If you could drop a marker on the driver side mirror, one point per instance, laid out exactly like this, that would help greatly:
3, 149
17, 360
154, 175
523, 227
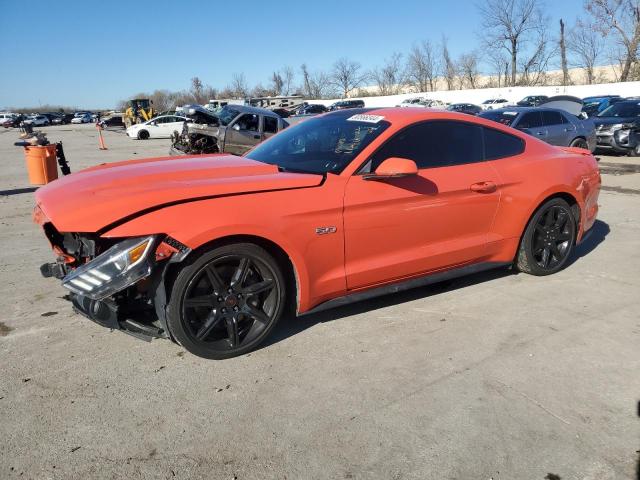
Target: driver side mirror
236, 127
393, 167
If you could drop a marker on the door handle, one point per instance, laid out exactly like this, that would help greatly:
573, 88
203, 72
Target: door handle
484, 187
541, 134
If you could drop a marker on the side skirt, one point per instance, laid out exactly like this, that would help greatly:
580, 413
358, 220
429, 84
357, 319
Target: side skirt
406, 285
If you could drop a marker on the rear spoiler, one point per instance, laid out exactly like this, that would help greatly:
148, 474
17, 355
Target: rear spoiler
577, 151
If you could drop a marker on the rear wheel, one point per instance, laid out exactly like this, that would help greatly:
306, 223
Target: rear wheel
580, 143
143, 135
226, 301
548, 240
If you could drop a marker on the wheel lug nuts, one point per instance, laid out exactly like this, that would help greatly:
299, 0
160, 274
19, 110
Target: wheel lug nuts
220, 299
235, 309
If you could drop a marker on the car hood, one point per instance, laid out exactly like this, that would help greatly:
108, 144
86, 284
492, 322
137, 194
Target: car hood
92, 199
613, 120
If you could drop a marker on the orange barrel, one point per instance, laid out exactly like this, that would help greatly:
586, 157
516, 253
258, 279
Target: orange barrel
42, 165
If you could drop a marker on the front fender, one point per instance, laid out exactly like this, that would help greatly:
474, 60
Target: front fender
288, 219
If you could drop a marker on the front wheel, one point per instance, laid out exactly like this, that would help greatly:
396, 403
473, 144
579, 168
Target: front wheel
548, 240
143, 135
226, 301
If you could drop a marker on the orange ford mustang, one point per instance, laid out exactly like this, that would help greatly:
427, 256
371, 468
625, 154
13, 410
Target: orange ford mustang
210, 251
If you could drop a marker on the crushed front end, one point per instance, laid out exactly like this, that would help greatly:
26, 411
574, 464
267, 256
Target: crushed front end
117, 283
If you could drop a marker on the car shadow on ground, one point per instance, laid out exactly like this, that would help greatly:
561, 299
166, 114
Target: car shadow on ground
599, 231
290, 326
17, 191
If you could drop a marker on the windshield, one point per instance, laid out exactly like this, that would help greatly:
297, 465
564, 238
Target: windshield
621, 110
322, 144
227, 114
505, 118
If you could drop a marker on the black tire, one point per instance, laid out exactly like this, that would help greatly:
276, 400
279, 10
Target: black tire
143, 135
548, 240
579, 143
225, 301
635, 151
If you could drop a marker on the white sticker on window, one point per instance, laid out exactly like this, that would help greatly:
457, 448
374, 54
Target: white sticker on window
509, 113
361, 117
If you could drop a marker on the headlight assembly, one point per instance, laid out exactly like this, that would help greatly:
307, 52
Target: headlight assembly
114, 270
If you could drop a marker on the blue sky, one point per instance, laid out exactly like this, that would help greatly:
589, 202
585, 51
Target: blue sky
92, 54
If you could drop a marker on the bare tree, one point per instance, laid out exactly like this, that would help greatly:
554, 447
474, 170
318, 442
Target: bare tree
449, 70
287, 80
422, 66
507, 25
621, 20
238, 86
346, 75
469, 69
584, 42
534, 67
563, 56
315, 85
277, 83
197, 90
390, 77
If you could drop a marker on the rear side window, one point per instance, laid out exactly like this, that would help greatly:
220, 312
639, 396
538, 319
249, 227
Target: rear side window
434, 144
552, 118
270, 125
501, 145
530, 120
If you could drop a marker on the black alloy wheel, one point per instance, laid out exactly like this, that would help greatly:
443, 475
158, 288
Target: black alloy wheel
227, 301
548, 240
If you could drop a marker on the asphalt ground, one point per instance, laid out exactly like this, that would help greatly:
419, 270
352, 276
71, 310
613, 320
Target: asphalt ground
493, 376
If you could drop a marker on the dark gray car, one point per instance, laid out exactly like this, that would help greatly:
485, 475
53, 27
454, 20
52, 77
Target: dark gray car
551, 125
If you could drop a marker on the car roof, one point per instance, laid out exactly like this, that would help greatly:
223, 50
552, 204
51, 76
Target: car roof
250, 109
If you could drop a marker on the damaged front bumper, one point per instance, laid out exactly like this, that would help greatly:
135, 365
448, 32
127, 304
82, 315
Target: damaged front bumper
123, 287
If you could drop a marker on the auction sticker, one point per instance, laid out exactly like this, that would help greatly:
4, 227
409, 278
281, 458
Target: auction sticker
361, 117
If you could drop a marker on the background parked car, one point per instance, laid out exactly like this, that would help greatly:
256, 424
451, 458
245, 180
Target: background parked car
344, 104
158, 127
62, 119
411, 102
494, 103
10, 119
82, 118
37, 120
553, 126
468, 108
618, 127
113, 121
310, 109
532, 101
592, 106
238, 128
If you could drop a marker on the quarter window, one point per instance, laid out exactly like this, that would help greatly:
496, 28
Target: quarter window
500, 145
434, 144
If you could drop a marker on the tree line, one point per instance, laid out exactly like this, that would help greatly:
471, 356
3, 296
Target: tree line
518, 44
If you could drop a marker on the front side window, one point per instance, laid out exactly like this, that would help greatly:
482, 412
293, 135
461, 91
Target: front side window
434, 144
249, 121
621, 109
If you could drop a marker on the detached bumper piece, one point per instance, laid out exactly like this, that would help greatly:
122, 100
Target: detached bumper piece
109, 314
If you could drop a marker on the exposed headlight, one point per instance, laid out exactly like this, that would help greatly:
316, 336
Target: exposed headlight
116, 269
616, 126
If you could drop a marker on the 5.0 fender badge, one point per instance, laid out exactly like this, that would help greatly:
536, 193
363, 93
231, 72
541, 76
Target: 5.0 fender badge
325, 230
